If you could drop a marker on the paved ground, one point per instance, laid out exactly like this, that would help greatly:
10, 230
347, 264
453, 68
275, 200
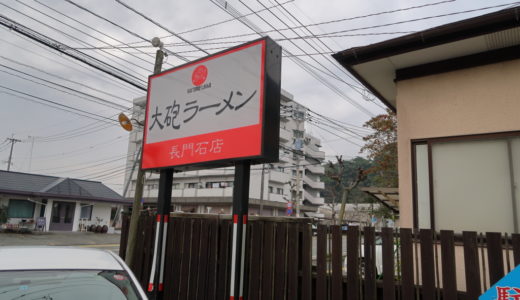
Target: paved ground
77, 239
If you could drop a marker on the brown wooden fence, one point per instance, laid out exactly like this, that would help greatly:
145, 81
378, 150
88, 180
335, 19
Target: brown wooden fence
285, 259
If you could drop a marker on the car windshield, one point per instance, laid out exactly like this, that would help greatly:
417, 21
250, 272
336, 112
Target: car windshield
66, 285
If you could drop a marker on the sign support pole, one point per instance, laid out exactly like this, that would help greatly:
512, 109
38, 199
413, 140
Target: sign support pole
155, 285
240, 210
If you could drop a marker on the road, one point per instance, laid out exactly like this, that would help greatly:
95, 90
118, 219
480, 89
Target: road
76, 239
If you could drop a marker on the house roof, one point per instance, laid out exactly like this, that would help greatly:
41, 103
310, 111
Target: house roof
26, 184
481, 40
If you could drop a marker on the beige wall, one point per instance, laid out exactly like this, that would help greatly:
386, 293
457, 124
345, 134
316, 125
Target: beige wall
477, 100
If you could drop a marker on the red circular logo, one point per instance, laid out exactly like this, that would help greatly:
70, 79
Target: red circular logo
199, 75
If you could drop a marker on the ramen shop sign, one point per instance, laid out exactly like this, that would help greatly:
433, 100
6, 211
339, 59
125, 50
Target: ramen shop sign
215, 110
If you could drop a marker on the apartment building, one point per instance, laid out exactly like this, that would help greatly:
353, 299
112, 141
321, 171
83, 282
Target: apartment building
295, 179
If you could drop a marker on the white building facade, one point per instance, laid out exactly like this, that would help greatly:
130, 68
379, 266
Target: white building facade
294, 179
50, 203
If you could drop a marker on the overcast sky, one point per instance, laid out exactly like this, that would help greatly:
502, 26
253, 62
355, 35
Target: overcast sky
62, 143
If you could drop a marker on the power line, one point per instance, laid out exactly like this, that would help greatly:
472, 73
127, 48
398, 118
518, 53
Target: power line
94, 29
79, 151
231, 43
75, 67
160, 26
97, 99
75, 38
63, 78
76, 132
60, 105
327, 57
90, 27
357, 89
121, 27
209, 25
307, 42
312, 24
341, 137
78, 55
232, 11
85, 33
333, 34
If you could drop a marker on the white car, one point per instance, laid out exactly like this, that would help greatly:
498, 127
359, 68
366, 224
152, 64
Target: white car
64, 273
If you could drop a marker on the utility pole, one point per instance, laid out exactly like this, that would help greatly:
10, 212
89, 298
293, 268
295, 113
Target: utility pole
139, 182
299, 150
262, 191
32, 147
12, 140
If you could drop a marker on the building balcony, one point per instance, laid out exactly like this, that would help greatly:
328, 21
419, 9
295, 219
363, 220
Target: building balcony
277, 197
214, 192
316, 169
320, 155
279, 177
313, 183
313, 199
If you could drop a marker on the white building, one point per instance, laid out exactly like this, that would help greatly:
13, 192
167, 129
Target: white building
272, 186
56, 203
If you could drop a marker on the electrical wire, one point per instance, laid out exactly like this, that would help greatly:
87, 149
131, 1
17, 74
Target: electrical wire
71, 52
64, 79
75, 67
332, 34
100, 32
160, 26
232, 11
358, 89
121, 27
79, 41
207, 26
86, 33
60, 106
93, 98
314, 24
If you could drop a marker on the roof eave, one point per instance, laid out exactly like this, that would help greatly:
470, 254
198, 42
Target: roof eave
67, 197
489, 23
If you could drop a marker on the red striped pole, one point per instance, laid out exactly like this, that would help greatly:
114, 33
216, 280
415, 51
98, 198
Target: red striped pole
156, 285
154, 260
165, 235
240, 210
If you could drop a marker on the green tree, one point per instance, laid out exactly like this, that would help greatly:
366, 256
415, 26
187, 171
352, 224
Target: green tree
3, 214
381, 148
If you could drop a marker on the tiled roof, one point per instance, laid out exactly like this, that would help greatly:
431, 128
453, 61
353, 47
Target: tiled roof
52, 186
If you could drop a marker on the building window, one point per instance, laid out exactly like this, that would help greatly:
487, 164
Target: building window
219, 184
293, 172
191, 185
176, 186
280, 169
279, 191
270, 188
152, 186
227, 184
299, 115
460, 180
212, 185
297, 133
20, 209
86, 211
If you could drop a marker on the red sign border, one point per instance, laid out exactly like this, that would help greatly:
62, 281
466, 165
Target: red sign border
263, 42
